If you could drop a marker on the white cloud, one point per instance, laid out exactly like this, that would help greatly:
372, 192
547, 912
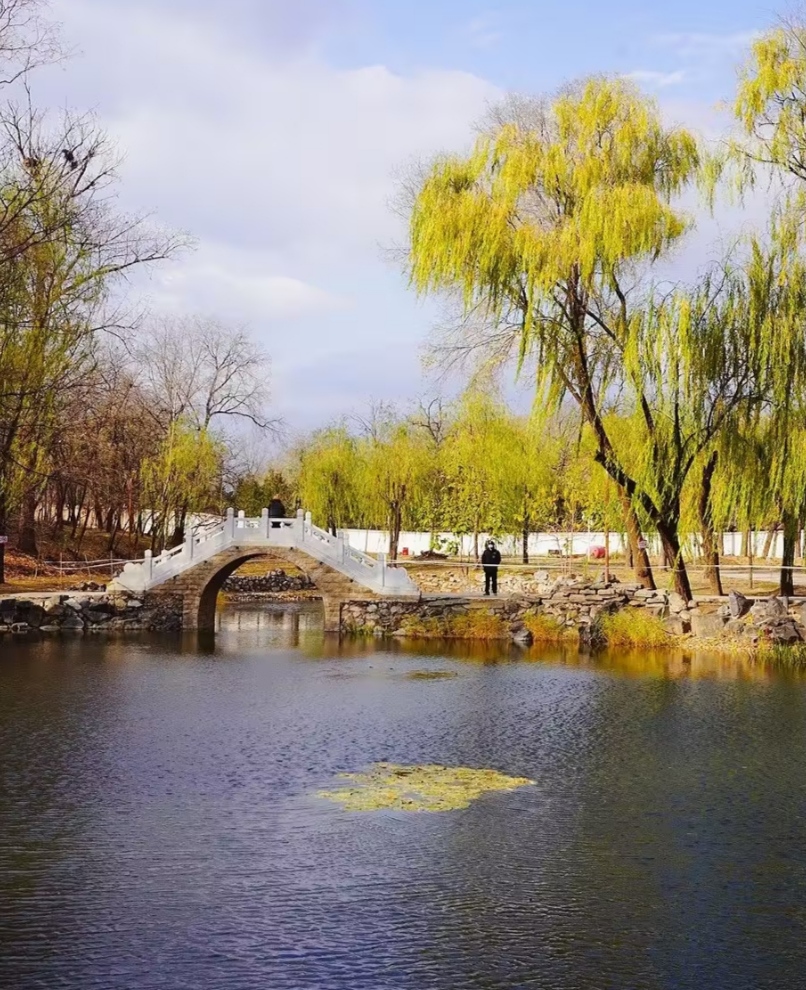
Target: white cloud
237, 284
292, 155
279, 163
661, 80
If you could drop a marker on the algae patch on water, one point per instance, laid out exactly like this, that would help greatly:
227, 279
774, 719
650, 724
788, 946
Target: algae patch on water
388, 787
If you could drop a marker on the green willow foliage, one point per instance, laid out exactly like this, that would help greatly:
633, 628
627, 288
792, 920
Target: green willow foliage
551, 227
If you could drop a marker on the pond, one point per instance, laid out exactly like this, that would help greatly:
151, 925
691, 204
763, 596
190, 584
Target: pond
161, 824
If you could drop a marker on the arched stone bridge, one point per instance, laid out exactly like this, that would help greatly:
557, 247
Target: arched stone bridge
198, 568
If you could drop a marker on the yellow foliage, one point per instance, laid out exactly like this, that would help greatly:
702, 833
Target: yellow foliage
576, 194
386, 786
476, 624
546, 629
635, 627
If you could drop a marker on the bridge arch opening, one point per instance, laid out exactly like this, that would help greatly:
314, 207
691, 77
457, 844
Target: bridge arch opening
202, 590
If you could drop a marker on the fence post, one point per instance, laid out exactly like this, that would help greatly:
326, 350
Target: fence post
264, 522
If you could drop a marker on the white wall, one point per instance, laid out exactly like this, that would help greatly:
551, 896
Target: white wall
376, 541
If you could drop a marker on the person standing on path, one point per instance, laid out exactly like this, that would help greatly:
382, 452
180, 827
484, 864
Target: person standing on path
276, 511
490, 560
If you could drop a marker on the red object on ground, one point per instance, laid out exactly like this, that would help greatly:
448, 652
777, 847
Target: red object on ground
597, 553
404, 552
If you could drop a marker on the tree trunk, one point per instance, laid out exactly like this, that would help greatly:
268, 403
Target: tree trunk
114, 533
772, 531
526, 539
746, 537
671, 550
26, 534
709, 537
394, 530
178, 536
83, 529
3, 532
639, 557
76, 510
790, 523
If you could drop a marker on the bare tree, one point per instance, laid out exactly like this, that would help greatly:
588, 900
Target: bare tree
203, 369
27, 39
63, 250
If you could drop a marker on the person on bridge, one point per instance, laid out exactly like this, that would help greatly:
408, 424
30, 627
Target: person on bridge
490, 560
276, 511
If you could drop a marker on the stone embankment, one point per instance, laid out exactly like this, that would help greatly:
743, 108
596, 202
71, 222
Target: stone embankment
577, 606
91, 612
273, 583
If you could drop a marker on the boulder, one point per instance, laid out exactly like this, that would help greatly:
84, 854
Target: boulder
767, 610
522, 636
74, 622
677, 603
706, 625
738, 605
784, 633
675, 625
35, 616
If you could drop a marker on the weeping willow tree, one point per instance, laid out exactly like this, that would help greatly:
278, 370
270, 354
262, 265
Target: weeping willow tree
396, 461
328, 477
547, 226
184, 475
770, 108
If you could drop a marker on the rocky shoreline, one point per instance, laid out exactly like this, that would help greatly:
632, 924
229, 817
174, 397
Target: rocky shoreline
90, 612
578, 606
567, 607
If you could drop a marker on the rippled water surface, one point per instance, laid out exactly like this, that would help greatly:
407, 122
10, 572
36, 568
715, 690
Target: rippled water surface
159, 826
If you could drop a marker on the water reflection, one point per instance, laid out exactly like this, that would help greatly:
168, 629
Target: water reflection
159, 825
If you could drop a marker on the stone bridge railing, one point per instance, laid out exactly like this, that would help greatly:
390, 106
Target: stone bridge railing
298, 533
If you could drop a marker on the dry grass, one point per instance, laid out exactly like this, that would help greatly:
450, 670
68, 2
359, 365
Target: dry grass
42, 573
546, 629
481, 625
635, 627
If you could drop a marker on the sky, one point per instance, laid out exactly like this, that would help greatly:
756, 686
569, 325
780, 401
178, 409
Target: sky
274, 131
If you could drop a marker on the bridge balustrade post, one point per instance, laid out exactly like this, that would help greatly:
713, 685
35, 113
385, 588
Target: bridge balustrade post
241, 519
190, 539
300, 525
382, 566
264, 523
148, 565
230, 526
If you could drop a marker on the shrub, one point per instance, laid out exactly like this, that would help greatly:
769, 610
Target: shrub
634, 627
471, 625
546, 629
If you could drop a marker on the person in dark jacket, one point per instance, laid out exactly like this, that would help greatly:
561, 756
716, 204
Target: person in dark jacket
490, 560
276, 511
